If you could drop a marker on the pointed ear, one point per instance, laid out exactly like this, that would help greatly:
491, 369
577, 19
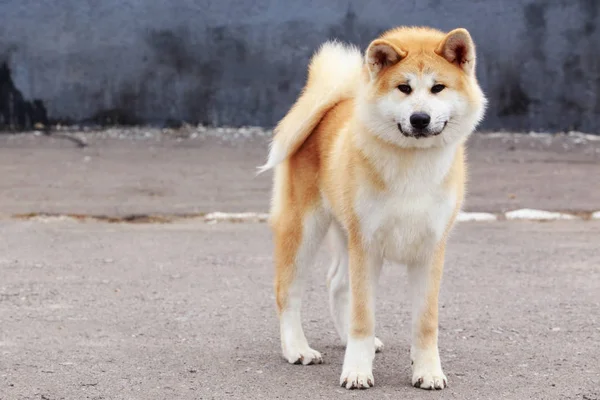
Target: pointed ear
458, 48
382, 54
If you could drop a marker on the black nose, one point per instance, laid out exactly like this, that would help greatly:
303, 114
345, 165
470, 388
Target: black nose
420, 120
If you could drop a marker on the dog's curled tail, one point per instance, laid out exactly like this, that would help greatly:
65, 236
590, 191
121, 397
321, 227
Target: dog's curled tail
333, 74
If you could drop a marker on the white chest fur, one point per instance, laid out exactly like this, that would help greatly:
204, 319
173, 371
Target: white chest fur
408, 219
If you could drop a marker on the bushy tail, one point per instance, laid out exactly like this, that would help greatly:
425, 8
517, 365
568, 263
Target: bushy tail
333, 74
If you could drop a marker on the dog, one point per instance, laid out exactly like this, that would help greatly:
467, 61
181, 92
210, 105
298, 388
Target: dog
373, 153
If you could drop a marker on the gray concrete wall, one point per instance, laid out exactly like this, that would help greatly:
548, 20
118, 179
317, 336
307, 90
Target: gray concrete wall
237, 62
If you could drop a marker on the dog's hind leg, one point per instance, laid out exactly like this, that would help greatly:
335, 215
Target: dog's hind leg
297, 238
338, 284
338, 281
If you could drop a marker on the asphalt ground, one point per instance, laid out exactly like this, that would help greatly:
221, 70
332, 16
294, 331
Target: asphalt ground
186, 311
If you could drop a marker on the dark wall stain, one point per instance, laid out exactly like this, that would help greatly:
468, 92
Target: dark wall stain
596, 87
177, 56
171, 50
124, 112
112, 117
535, 23
220, 67
511, 97
580, 70
15, 112
591, 10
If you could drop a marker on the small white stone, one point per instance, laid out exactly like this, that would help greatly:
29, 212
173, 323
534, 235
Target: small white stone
475, 216
241, 217
537, 215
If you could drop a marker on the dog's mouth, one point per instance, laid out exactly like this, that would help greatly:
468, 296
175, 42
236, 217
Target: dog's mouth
422, 133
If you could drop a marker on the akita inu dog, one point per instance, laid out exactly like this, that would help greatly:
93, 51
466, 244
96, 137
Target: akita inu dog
373, 152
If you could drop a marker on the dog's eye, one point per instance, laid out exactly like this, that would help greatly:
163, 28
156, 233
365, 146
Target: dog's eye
437, 88
405, 89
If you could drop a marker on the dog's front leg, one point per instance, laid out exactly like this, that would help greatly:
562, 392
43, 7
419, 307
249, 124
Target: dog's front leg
364, 268
424, 279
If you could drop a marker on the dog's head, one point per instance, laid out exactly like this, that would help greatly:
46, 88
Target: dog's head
421, 89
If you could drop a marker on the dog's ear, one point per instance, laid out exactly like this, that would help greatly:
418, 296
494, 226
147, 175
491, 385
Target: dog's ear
458, 48
382, 54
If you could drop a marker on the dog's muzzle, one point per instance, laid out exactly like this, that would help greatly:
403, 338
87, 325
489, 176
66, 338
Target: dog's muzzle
420, 127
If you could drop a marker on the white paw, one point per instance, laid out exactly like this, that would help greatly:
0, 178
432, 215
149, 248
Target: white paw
357, 379
304, 356
378, 346
429, 379
427, 369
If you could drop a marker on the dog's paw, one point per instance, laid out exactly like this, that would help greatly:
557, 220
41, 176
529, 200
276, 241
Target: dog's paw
427, 369
357, 379
429, 380
304, 356
378, 346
